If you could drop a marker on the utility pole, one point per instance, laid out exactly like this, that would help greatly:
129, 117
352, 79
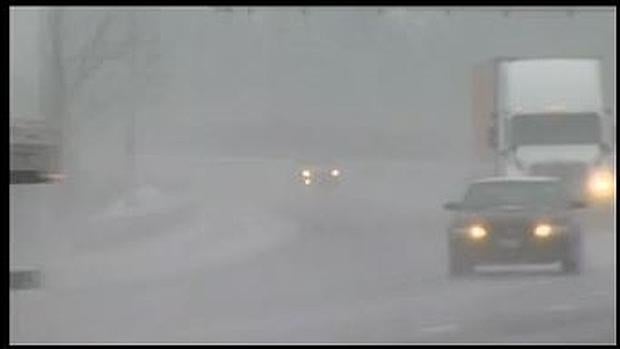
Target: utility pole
53, 93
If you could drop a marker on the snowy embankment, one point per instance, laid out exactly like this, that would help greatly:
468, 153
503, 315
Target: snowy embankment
225, 213
155, 233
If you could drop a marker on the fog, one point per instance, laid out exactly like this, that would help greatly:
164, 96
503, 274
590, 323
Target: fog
182, 217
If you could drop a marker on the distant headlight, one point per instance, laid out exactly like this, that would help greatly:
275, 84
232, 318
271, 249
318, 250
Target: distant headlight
306, 173
335, 173
307, 181
477, 232
601, 184
543, 230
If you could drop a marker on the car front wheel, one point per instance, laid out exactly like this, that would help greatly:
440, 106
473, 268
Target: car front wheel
459, 264
571, 262
570, 265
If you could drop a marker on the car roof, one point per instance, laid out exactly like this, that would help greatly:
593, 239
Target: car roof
516, 179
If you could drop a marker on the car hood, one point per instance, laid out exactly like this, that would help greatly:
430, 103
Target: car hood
511, 213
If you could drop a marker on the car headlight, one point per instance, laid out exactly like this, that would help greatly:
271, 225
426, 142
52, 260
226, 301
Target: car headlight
307, 181
543, 230
477, 232
306, 173
601, 184
335, 172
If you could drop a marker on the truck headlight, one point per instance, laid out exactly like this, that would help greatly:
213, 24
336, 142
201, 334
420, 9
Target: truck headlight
476, 232
601, 184
543, 230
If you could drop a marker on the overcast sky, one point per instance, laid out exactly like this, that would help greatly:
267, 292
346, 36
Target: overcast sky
332, 77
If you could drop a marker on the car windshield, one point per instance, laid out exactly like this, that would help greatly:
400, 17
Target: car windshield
528, 194
550, 129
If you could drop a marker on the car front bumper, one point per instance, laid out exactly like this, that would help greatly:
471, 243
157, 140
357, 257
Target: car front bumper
511, 250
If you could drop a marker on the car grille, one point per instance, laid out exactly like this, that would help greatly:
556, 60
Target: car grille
510, 226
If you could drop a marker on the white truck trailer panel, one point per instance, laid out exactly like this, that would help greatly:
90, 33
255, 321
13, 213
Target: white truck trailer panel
504, 87
548, 84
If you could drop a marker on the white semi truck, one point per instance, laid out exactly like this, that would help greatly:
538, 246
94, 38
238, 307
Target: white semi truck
546, 116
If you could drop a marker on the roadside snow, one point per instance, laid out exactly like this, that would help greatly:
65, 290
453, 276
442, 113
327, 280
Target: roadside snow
144, 200
209, 240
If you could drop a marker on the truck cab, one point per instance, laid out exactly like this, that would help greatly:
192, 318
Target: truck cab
566, 145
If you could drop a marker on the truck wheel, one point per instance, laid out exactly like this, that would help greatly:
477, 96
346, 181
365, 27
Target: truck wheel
571, 263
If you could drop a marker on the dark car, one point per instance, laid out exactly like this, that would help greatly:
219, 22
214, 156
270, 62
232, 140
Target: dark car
513, 221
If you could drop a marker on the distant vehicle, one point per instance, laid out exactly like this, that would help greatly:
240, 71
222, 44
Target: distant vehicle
320, 176
545, 117
34, 152
33, 159
317, 205
510, 220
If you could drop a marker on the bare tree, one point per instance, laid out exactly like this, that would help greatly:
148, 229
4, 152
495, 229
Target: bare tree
77, 45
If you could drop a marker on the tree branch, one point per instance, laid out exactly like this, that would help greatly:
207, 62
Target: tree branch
97, 54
